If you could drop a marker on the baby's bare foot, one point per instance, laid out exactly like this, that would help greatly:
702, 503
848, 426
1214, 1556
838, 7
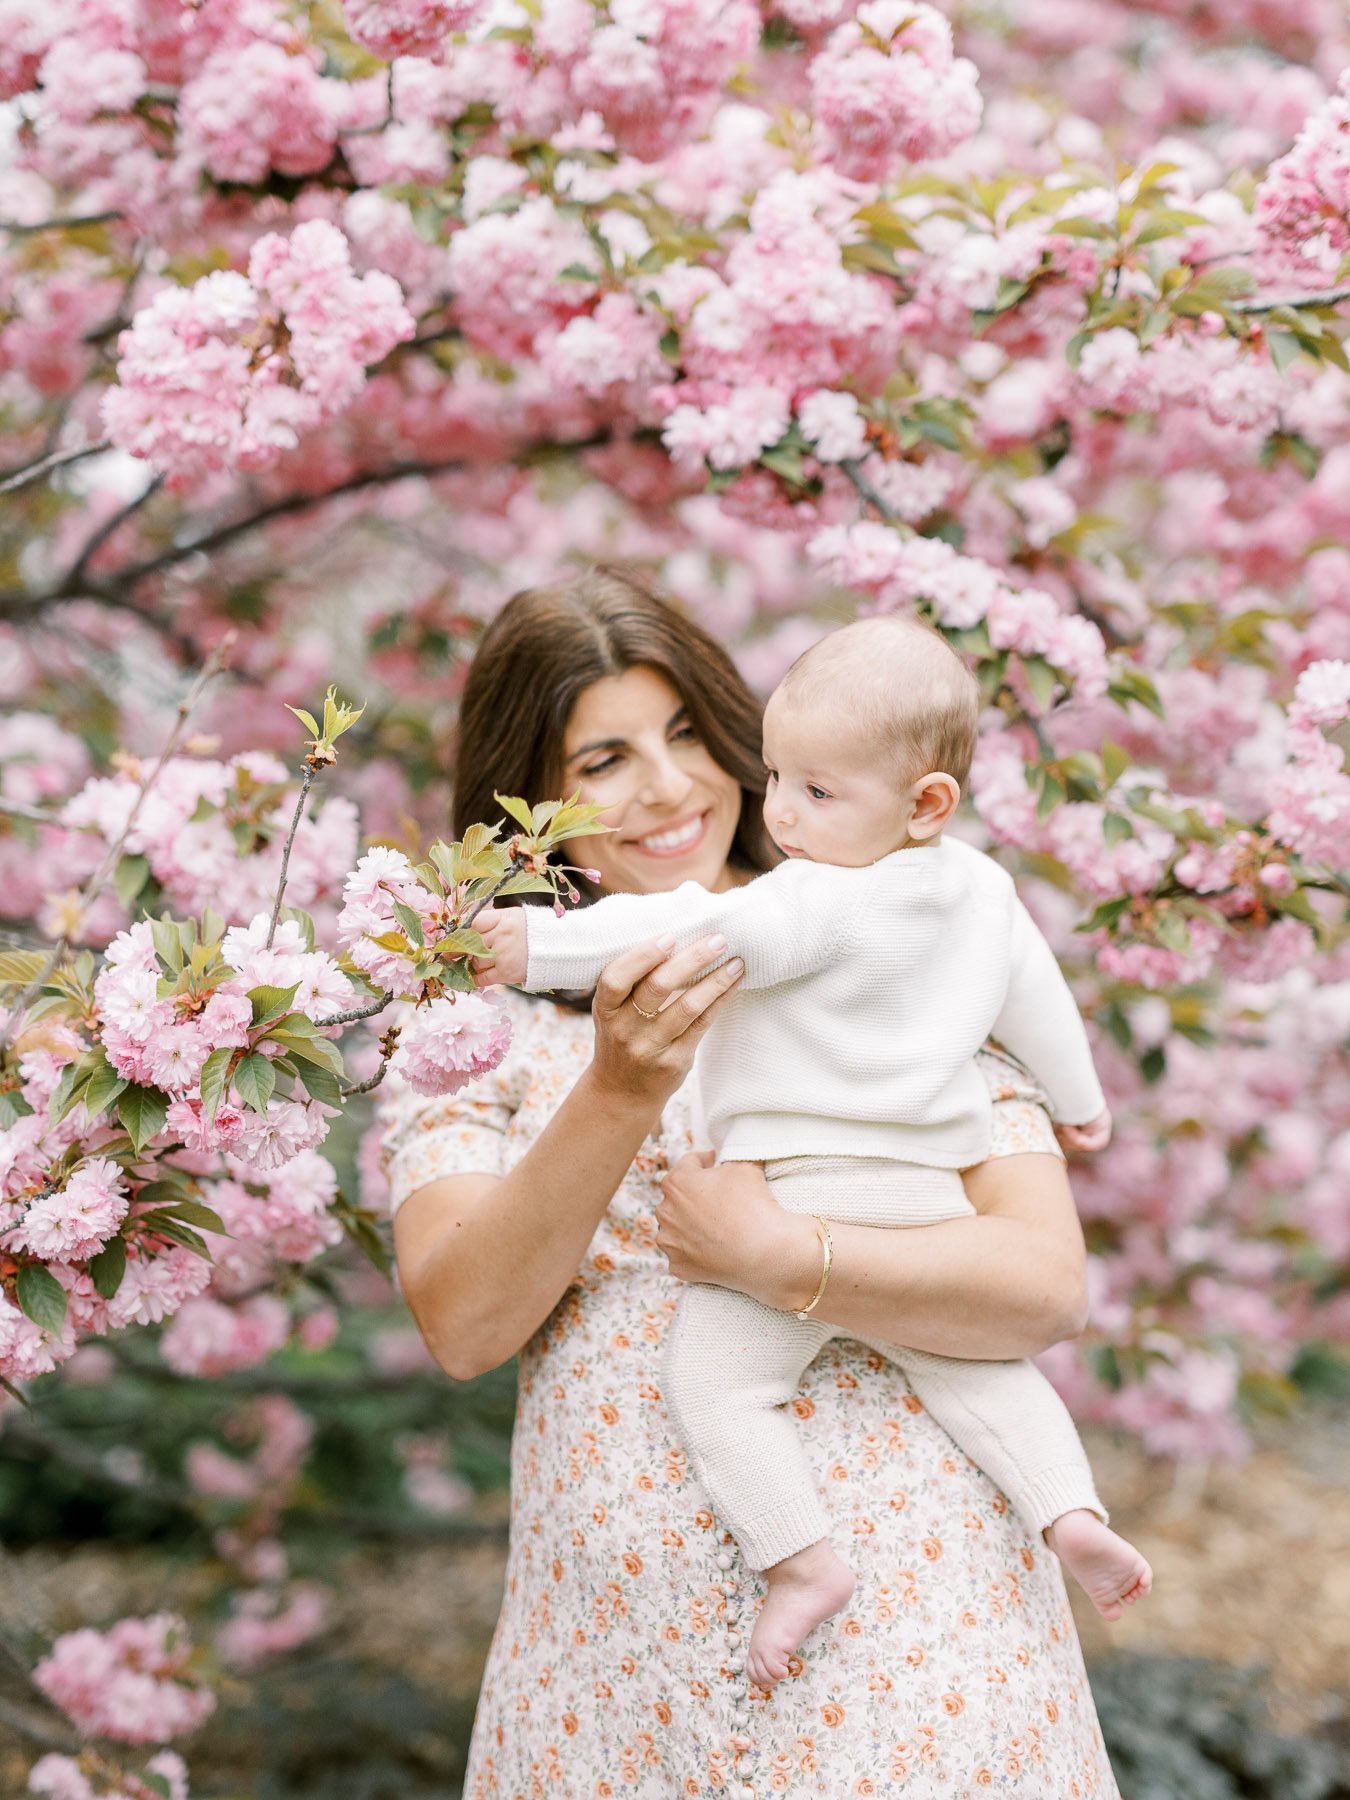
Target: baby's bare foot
1110, 1572
804, 1589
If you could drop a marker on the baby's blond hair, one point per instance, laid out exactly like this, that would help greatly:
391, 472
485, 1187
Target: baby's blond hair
900, 683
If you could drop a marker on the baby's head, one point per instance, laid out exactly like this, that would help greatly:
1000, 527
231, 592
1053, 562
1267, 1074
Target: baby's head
868, 740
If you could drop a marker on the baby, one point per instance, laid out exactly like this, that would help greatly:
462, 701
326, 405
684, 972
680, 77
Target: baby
878, 958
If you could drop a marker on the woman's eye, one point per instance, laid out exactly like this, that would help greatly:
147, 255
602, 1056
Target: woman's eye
601, 768
685, 735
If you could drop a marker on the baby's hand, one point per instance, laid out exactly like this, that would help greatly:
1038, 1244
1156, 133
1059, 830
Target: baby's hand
504, 929
1095, 1135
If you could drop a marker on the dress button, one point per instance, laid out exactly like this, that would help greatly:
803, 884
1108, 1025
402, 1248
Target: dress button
747, 1792
736, 1660
733, 1638
724, 1559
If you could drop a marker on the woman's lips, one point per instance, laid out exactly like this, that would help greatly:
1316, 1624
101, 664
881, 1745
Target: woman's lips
676, 839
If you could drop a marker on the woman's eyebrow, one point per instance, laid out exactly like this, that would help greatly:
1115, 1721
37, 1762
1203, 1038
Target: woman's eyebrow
617, 743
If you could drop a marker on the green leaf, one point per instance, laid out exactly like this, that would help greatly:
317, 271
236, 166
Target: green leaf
195, 1212
411, 922
141, 1112
215, 1080
322, 1051
307, 719
1052, 793
41, 1297
164, 1224
19, 967
108, 1267
168, 944
13, 1106
517, 810
270, 1003
1116, 828
255, 1082
104, 1085
1173, 933
1128, 682
158, 1784
1041, 679
1153, 1064
1106, 914
784, 460
1115, 761
1167, 224
66, 1095
321, 1083
131, 876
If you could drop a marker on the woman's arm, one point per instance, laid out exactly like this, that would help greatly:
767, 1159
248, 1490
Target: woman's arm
1007, 1283
484, 1259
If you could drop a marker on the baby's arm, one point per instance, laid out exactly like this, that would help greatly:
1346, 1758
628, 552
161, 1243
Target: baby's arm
1041, 1025
782, 925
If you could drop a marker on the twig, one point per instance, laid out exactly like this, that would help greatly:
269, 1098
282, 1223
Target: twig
306, 783
34, 471
94, 886
17, 810
47, 1737
365, 1087
357, 1012
1326, 297
869, 493
106, 530
16, 228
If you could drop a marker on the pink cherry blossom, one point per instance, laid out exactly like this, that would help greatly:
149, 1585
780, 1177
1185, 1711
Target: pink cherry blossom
450, 1042
133, 1682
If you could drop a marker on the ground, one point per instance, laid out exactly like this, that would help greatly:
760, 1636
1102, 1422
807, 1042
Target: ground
1252, 1570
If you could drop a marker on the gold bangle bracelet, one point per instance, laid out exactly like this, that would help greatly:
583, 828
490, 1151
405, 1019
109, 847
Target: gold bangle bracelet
827, 1245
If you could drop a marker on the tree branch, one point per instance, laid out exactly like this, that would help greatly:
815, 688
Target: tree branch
870, 494
16, 228
106, 530
1326, 297
34, 471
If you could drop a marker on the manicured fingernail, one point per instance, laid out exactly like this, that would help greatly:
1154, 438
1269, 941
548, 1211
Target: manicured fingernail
667, 942
735, 966
716, 943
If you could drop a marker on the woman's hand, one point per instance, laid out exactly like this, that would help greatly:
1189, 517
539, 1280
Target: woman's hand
722, 1225
650, 1011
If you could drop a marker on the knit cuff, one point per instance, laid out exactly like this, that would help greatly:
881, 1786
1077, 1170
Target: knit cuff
781, 1532
1056, 1491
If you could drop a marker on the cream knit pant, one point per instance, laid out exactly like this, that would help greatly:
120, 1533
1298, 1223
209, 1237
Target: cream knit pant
733, 1365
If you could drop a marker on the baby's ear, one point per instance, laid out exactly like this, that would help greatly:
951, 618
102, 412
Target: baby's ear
936, 797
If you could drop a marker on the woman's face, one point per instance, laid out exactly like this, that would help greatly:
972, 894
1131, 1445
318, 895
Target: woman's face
673, 812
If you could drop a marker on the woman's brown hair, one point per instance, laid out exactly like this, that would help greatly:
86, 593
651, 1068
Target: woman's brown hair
546, 646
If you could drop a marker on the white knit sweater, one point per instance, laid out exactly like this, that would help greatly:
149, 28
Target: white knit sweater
866, 994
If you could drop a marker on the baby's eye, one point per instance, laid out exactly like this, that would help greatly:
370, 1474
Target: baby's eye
815, 792
770, 775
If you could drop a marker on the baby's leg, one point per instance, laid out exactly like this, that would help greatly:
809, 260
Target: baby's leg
731, 1368
1011, 1422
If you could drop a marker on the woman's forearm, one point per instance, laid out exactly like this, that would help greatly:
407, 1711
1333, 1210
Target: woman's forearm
483, 1260
1006, 1283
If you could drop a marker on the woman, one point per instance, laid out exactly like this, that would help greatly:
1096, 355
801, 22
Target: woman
527, 1220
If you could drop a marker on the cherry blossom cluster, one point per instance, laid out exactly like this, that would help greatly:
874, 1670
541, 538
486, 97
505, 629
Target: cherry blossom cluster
230, 371
888, 90
1302, 208
211, 835
133, 1683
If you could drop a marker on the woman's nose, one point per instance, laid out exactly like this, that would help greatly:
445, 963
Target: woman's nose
665, 783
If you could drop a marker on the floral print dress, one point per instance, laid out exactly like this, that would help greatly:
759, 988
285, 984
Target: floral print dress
617, 1666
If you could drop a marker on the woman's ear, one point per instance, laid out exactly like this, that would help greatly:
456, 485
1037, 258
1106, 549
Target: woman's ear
936, 798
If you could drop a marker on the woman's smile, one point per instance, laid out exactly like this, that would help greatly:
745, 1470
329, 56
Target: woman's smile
675, 839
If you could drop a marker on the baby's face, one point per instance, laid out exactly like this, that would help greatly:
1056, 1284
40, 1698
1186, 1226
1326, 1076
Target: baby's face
828, 799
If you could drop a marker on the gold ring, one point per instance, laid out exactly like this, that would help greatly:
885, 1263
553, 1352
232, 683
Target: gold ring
644, 1012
